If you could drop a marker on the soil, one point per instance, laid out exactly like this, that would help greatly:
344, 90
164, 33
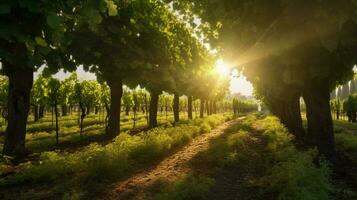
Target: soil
169, 169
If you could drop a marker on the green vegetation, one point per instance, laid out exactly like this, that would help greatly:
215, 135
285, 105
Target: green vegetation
283, 172
163, 70
188, 187
98, 163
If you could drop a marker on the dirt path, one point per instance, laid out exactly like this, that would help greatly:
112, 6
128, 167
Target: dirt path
169, 169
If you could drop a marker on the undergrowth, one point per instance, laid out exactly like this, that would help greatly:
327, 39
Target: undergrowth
97, 163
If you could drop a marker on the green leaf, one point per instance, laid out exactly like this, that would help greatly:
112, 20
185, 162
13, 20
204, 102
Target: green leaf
41, 42
4, 9
53, 20
112, 8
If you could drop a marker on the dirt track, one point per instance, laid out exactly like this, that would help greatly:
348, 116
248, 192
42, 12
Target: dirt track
169, 169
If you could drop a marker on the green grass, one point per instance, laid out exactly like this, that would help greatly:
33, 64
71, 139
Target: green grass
97, 163
187, 187
286, 173
41, 135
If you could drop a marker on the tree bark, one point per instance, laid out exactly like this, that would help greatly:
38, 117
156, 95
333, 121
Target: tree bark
288, 111
57, 129
211, 107
214, 105
20, 84
176, 107
202, 108
153, 109
127, 110
82, 112
96, 110
207, 107
320, 124
134, 113
88, 110
116, 92
41, 111
36, 113
107, 110
64, 110
189, 106
146, 110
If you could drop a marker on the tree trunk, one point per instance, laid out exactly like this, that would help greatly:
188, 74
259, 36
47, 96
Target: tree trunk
207, 107
134, 113
88, 110
41, 111
96, 110
320, 125
35, 113
176, 107
202, 108
153, 109
52, 117
146, 109
20, 84
106, 124
127, 110
56, 114
211, 107
116, 92
288, 111
64, 110
189, 106
214, 106
82, 116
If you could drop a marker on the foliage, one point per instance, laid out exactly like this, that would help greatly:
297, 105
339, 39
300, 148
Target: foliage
297, 178
294, 174
244, 106
4, 85
54, 91
39, 92
346, 142
113, 160
350, 107
67, 90
188, 187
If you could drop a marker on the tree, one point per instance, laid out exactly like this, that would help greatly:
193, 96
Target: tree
78, 87
350, 107
39, 95
53, 97
313, 40
4, 86
67, 93
115, 53
127, 99
105, 100
31, 36
353, 86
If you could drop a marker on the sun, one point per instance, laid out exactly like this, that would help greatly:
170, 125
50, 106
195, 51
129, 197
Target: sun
222, 68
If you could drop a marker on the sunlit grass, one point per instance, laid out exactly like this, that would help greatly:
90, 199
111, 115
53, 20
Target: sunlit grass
107, 162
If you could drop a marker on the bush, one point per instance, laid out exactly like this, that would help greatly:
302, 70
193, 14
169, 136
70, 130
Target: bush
293, 175
112, 160
186, 188
346, 142
298, 178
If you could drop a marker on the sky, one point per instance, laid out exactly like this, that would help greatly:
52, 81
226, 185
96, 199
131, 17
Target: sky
61, 75
241, 85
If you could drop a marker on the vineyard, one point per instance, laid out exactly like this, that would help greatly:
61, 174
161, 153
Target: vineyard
169, 114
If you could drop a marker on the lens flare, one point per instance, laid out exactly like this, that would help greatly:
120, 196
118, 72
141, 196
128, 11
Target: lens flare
222, 68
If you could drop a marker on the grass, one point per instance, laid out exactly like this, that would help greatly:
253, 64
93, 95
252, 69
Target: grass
187, 187
97, 163
260, 155
41, 135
